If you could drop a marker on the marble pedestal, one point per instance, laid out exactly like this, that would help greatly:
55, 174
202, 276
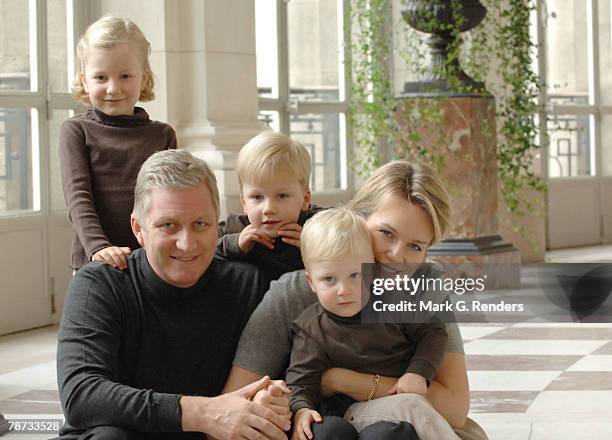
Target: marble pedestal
465, 137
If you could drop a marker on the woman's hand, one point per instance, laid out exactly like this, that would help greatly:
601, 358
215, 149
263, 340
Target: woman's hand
305, 417
410, 383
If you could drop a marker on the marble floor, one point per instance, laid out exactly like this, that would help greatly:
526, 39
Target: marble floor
528, 381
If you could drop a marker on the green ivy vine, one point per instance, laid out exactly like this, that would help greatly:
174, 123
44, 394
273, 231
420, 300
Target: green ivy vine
500, 47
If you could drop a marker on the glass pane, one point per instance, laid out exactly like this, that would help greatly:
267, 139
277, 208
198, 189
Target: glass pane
567, 52
266, 48
14, 45
569, 149
321, 135
55, 176
16, 176
271, 119
606, 145
57, 46
313, 50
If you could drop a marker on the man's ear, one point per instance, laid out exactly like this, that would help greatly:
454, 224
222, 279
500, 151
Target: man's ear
306, 203
137, 230
309, 280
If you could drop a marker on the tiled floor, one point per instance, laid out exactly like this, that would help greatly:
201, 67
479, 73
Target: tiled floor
528, 381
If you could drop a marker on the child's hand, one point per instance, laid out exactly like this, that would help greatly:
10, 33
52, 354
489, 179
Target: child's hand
276, 398
251, 235
113, 255
410, 383
303, 419
290, 233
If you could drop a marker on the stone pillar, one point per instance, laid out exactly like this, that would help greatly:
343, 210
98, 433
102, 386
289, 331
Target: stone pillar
210, 77
465, 136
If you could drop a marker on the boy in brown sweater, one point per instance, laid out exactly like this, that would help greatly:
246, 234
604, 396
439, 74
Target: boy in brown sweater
330, 333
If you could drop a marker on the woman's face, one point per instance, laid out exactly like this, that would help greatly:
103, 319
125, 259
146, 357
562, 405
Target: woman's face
401, 231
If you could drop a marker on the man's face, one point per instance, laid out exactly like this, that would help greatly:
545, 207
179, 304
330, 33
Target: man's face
274, 202
178, 233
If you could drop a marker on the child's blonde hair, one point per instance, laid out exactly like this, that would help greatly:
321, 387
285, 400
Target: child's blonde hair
333, 234
416, 183
270, 153
106, 33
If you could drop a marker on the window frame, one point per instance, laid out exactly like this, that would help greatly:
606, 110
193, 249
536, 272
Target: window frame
287, 107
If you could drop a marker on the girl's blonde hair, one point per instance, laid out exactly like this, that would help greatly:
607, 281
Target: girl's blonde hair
334, 234
106, 33
416, 183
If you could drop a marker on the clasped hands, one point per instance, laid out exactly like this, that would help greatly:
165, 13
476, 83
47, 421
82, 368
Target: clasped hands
289, 232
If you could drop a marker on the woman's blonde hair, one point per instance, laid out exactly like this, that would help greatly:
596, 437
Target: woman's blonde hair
416, 183
270, 153
334, 234
106, 33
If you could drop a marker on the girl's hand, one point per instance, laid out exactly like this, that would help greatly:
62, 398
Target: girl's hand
290, 234
113, 255
303, 419
410, 383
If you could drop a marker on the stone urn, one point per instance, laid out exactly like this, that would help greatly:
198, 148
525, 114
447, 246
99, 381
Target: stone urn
443, 19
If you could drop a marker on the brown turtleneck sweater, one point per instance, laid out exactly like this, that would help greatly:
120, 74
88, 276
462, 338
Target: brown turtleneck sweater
100, 157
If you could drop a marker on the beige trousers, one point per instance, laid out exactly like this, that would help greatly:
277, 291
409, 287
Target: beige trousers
417, 410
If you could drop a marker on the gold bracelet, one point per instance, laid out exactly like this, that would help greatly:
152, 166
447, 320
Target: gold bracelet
376, 380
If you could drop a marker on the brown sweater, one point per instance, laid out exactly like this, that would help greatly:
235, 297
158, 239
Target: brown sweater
323, 340
100, 157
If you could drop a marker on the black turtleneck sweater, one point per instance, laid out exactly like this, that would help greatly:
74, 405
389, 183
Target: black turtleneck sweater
274, 262
130, 344
323, 340
100, 157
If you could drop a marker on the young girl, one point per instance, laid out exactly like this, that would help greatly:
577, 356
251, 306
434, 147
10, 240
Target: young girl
102, 150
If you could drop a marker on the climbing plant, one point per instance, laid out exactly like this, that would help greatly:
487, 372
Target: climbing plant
499, 52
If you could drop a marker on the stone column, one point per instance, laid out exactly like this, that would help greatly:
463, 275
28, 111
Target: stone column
465, 136
211, 83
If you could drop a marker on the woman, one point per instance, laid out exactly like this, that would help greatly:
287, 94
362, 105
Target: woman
406, 210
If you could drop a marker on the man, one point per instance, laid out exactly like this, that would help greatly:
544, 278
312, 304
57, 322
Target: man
142, 351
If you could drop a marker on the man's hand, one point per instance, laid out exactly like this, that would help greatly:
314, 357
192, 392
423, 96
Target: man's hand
251, 235
410, 383
233, 415
304, 417
113, 255
290, 233
276, 398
